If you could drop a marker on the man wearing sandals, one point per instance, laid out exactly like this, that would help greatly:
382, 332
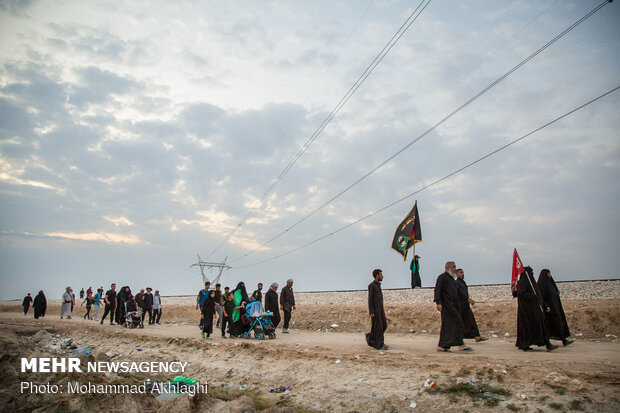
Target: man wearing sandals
465, 304
447, 300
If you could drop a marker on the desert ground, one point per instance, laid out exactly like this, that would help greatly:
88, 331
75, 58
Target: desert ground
327, 363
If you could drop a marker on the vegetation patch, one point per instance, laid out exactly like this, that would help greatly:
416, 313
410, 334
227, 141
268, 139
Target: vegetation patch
477, 391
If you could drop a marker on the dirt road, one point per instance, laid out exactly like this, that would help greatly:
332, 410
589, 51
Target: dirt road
337, 371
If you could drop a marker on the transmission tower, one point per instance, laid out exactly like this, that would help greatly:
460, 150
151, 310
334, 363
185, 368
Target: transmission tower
210, 265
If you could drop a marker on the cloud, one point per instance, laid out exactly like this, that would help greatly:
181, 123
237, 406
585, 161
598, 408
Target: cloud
172, 122
16, 7
12, 180
96, 86
119, 221
97, 236
222, 224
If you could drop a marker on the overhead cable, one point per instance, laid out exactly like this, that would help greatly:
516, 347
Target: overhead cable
451, 174
360, 80
432, 128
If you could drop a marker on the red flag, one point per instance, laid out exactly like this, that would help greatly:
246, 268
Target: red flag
517, 267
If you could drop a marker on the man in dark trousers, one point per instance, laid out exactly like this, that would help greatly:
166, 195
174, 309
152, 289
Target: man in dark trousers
447, 300
469, 321
227, 309
257, 295
377, 313
271, 304
110, 304
26, 303
554, 312
147, 305
287, 303
531, 326
140, 299
416, 282
200, 300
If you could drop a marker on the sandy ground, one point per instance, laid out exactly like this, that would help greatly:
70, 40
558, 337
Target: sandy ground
334, 370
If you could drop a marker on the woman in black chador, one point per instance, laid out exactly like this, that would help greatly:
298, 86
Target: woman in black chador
554, 313
40, 305
531, 325
415, 272
208, 310
122, 298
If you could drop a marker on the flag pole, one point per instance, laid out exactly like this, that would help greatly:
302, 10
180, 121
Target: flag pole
534, 289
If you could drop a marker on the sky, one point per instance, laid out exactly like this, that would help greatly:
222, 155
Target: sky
135, 135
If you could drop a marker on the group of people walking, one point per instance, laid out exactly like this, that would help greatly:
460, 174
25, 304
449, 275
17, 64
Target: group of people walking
540, 316
118, 305
39, 304
453, 302
229, 307
115, 304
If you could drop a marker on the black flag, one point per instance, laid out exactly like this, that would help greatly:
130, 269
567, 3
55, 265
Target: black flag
408, 232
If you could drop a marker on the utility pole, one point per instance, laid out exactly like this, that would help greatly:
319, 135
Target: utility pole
210, 265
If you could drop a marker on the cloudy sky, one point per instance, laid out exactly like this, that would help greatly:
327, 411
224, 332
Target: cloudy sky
135, 135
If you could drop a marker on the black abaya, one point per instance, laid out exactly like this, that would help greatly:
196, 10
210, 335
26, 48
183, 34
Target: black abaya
271, 304
40, 305
208, 311
452, 328
555, 318
379, 322
469, 321
531, 325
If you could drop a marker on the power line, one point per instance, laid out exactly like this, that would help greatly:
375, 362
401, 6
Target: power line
369, 69
508, 40
469, 165
432, 128
486, 58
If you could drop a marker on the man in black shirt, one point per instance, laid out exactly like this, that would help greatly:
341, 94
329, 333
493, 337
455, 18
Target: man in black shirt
110, 304
147, 305
287, 303
140, 298
229, 306
26, 303
257, 295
